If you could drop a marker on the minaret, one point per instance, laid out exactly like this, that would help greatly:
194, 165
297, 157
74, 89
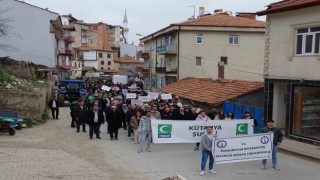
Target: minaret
125, 27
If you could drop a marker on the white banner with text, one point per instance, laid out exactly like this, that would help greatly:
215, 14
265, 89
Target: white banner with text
242, 148
178, 131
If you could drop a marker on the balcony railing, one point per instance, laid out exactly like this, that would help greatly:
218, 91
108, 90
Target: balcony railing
167, 49
160, 69
143, 54
171, 70
70, 39
69, 52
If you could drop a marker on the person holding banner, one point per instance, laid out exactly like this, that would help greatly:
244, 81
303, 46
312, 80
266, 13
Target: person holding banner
206, 143
202, 117
145, 130
277, 139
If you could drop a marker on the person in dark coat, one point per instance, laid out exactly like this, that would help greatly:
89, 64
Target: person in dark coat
54, 106
131, 112
95, 120
73, 106
213, 113
81, 114
180, 115
166, 115
193, 114
114, 122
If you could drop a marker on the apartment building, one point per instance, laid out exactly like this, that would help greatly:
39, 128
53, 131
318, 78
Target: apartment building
291, 63
211, 46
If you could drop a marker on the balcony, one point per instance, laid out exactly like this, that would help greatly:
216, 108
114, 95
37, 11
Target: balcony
167, 49
160, 69
85, 41
69, 52
142, 54
70, 39
171, 70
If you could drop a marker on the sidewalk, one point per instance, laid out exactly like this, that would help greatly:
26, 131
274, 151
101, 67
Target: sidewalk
300, 148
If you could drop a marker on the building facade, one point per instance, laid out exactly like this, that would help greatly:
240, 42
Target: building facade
292, 83
108, 36
126, 65
30, 38
211, 46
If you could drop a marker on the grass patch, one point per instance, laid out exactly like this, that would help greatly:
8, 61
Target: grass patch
4, 77
37, 122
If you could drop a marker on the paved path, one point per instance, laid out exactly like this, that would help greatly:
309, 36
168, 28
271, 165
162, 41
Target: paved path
56, 151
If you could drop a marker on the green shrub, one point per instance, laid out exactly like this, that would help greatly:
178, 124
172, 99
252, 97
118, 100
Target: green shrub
4, 77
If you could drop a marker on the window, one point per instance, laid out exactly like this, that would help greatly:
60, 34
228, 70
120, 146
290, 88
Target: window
108, 55
128, 64
308, 40
108, 68
102, 62
233, 39
101, 68
224, 60
100, 55
109, 63
168, 61
199, 38
198, 61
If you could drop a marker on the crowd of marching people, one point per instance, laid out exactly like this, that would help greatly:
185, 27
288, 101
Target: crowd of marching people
112, 107
99, 106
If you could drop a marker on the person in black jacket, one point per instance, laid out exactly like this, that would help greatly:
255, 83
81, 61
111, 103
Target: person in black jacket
114, 122
181, 115
54, 106
166, 115
81, 115
213, 113
95, 120
73, 106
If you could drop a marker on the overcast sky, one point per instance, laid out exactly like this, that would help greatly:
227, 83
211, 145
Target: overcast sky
144, 16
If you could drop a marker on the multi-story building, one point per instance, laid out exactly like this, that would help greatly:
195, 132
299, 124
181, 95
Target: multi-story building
31, 36
108, 36
210, 46
97, 58
291, 67
84, 36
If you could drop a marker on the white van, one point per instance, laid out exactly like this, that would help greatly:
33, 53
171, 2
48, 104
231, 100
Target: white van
92, 74
119, 79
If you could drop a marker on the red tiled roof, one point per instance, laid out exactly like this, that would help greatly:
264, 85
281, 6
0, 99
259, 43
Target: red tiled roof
127, 59
67, 67
287, 5
210, 91
223, 20
89, 48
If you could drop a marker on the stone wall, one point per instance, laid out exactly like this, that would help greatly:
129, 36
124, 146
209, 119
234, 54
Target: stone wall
30, 105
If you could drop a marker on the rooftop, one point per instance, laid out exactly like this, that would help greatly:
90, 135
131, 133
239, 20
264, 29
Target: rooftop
127, 59
223, 20
287, 5
210, 91
89, 48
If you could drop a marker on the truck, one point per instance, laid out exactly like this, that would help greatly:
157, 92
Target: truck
119, 79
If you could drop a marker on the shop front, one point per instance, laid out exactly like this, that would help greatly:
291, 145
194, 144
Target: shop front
295, 106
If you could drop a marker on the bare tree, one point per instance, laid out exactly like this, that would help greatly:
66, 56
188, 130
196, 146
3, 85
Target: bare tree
4, 26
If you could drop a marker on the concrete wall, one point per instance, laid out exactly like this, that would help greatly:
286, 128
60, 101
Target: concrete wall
30, 34
245, 60
281, 61
21, 102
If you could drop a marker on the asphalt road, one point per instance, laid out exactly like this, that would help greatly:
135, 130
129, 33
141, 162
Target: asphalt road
56, 151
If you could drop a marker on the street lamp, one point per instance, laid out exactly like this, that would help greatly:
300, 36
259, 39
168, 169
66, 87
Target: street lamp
150, 62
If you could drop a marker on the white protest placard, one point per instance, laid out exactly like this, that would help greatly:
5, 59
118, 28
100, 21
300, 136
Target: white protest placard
153, 95
166, 96
144, 98
178, 131
242, 148
106, 88
131, 95
136, 101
